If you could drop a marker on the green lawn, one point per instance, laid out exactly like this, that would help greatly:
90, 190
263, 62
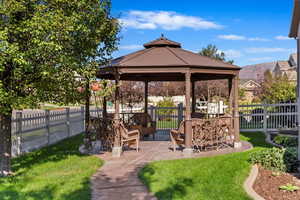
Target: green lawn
166, 124
213, 178
55, 172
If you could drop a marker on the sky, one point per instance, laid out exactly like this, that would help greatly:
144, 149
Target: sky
247, 31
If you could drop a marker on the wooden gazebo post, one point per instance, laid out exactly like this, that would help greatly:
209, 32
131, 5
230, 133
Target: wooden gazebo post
117, 149
193, 97
188, 121
236, 123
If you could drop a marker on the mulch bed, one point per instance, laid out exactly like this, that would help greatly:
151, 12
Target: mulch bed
267, 185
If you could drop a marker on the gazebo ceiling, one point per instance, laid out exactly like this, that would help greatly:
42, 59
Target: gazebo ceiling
165, 60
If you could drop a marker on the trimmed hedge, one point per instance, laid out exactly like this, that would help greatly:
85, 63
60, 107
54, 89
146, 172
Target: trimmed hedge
286, 141
277, 159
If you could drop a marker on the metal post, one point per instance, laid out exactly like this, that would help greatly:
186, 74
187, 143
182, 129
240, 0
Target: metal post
180, 113
265, 121
19, 117
47, 120
146, 97
236, 120
152, 112
117, 149
68, 124
188, 121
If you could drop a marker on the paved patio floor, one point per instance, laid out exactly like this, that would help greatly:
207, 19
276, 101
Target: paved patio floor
118, 178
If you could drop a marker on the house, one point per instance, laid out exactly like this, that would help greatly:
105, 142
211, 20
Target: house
250, 87
287, 68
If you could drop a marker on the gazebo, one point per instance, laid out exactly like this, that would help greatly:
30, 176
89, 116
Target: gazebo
165, 60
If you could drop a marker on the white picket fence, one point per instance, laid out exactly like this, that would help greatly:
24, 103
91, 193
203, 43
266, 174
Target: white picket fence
35, 129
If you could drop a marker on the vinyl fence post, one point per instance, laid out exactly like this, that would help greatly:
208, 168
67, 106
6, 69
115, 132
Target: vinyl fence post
82, 114
47, 118
180, 114
265, 124
19, 119
68, 121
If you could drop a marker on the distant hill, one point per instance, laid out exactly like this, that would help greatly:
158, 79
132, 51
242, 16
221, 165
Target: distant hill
256, 72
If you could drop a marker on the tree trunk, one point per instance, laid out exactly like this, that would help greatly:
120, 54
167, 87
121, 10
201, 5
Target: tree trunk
87, 115
5, 143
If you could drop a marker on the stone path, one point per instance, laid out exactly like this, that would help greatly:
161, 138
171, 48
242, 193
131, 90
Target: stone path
118, 178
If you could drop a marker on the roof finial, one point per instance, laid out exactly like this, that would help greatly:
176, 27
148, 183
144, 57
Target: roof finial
162, 35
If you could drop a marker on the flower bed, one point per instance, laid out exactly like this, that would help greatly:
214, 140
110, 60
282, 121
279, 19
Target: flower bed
268, 183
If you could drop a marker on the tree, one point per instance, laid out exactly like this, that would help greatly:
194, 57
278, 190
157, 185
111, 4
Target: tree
276, 89
213, 52
132, 92
44, 47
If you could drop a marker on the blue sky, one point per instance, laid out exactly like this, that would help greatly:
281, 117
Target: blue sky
249, 32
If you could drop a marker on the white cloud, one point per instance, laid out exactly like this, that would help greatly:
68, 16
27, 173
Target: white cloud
266, 50
260, 59
232, 37
231, 53
281, 37
241, 37
258, 39
130, 47
165, 20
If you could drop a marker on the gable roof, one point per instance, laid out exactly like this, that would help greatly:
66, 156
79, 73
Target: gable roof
244, 83
283, 65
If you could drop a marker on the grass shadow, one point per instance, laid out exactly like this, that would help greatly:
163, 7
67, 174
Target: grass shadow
59, 171
52, 153
257, 139
176, 188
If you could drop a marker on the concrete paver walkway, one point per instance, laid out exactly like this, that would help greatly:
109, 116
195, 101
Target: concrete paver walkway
118, 178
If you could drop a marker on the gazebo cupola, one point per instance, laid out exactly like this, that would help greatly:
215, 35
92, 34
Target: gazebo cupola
162, 42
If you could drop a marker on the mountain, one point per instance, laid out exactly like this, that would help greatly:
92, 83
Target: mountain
256, 71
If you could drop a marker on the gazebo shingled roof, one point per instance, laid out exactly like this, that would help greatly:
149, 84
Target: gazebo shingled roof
165, 60
165, 56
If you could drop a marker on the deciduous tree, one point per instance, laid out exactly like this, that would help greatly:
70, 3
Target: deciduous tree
45, 45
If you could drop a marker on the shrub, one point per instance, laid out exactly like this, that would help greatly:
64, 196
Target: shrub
165, 113
278, 159
286, 141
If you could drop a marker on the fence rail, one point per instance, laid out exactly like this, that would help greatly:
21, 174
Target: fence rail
35, 129
268, 117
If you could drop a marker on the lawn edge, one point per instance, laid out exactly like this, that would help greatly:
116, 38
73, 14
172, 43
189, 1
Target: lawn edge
248, 184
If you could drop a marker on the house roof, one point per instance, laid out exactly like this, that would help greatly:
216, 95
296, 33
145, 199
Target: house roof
283, 65
165, 60
291, 74
295, 19
244, 83
164, 52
